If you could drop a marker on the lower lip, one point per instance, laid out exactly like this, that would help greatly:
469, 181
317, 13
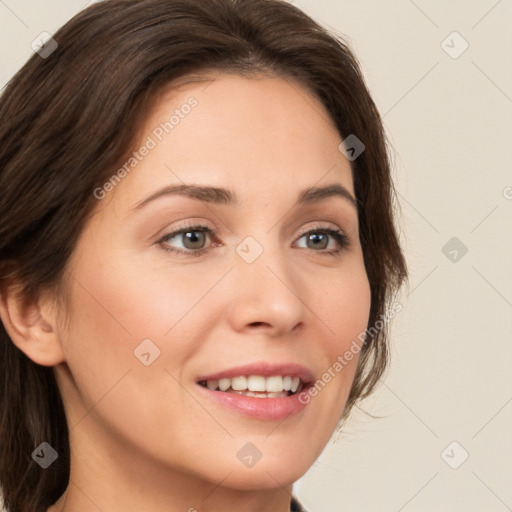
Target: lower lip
262, 408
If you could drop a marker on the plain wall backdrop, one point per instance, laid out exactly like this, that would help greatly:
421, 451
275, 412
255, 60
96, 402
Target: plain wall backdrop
441, 75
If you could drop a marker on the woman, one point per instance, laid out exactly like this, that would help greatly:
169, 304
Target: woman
197, 254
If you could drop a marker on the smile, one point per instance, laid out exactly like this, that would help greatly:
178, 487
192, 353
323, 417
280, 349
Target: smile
257, 385
261, 390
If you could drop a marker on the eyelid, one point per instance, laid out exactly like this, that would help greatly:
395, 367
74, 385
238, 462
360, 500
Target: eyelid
318, 226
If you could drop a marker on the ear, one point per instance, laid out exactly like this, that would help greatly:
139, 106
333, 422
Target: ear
31, 325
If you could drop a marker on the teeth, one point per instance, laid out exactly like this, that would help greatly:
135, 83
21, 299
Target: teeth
257, 394
239, 383
224, 384
212, 384
273, 386
256, 383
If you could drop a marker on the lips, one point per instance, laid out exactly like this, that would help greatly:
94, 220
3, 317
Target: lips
262, 404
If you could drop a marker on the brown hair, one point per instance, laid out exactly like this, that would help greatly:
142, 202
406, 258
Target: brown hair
67, 120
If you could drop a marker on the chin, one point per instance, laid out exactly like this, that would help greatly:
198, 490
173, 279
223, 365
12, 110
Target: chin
267, 476
277, 468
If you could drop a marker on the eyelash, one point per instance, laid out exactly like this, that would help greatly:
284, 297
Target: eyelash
338, 235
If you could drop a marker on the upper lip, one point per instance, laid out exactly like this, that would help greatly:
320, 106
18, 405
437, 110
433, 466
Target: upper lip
265, 370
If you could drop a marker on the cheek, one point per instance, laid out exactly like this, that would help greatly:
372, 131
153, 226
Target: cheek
118, 304
155, 295
344, 308
115, 308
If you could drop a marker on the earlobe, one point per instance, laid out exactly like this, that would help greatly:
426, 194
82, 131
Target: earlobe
32, 326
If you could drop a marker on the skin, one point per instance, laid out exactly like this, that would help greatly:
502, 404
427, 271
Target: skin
143, 437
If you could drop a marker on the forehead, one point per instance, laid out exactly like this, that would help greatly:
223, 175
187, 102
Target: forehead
260, 135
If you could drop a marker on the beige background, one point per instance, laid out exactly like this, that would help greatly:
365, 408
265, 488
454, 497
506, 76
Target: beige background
449, 120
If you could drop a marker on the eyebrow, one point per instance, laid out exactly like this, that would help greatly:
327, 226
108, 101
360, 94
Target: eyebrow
224, 196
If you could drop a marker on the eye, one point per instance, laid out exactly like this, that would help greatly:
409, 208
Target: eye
318, 237
193, 240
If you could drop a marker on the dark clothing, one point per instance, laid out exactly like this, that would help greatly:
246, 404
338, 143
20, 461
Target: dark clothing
296, 506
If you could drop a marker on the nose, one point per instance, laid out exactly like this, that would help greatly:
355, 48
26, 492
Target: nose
268, 295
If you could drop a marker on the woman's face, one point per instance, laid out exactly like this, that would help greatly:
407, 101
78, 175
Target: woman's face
262, 282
